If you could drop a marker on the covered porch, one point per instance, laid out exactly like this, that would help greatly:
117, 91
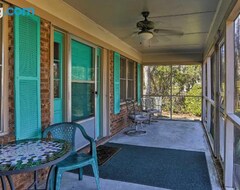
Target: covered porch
169, 135
79, 62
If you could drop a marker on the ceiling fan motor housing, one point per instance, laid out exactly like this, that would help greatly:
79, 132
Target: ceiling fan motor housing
145, 24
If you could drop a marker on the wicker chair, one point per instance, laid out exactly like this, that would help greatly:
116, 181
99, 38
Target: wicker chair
66, 131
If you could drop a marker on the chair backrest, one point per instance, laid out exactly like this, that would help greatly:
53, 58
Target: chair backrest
130, 106
146, 103
65, 131
157, 103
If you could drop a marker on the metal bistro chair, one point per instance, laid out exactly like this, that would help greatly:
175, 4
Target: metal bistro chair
148, 105
66, 131
136, 117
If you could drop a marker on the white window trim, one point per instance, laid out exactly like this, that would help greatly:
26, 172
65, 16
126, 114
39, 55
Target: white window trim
4, 95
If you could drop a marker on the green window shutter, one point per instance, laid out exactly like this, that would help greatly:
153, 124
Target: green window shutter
139, 83
116, 83
27, 77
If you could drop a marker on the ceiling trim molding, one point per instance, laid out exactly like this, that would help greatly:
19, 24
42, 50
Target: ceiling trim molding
72, 21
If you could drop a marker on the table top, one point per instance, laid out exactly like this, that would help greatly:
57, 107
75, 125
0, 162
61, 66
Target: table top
32, 154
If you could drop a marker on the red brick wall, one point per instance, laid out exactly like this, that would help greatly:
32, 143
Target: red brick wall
45, 72
22, 181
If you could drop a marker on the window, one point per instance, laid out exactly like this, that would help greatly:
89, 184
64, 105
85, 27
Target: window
212, 76
177, 89
206, 80
1, 77
83, 81
237, 66
127, 79
3, 73
57, 70
222, 76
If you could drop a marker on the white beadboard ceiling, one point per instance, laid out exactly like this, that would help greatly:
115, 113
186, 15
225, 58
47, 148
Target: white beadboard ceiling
191, 17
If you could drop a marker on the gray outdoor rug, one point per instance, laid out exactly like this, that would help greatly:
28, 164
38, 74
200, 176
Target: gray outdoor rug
158, 167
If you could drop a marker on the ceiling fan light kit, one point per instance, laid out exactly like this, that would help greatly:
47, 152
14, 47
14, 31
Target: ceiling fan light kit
145, 35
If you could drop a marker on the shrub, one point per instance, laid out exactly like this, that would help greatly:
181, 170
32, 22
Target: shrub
194, 105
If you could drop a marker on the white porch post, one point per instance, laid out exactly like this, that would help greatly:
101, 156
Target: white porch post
229, 127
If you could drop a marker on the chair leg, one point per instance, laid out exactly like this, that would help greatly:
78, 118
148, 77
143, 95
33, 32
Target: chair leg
96, 173
58, 180
80, 174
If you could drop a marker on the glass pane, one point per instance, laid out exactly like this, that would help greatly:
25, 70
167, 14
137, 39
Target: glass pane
130, 89
122, 90
206, 112
82, 62
212, 122
237, 157
56, 51
130, 70
123, 68
206, 78
222, 137
82, 101
187, 108
56, 70
212, 76
222, 76
56, 88
237, 66
186, 80
157, 80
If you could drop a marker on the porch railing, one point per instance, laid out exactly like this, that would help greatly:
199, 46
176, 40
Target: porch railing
178, 106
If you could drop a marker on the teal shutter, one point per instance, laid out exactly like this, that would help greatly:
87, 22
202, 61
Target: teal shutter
116, 83
27, 76
139, 78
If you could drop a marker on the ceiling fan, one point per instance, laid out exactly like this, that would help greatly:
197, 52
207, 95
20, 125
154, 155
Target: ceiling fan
147, 29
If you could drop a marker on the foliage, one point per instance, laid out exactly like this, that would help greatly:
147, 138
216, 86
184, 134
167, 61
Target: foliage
176, 82
193, 105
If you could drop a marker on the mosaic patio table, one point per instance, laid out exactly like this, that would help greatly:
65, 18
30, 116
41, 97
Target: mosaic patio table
31, 155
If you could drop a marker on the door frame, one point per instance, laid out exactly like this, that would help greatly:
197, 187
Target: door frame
64, 71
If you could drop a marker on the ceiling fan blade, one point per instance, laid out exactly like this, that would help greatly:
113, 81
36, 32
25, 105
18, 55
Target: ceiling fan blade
168, 32
132, 35
159, 39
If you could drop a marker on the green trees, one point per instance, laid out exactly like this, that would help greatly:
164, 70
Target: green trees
181, 84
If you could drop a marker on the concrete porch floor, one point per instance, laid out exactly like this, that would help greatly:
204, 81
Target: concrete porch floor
163, 134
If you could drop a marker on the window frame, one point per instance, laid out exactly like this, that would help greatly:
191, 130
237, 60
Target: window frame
126, 79
4, 83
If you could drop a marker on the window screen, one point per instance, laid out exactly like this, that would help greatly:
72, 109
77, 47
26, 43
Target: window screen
222, 76
1, 75
237, 67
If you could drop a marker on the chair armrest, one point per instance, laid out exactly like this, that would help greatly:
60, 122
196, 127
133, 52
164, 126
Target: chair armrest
87, 137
